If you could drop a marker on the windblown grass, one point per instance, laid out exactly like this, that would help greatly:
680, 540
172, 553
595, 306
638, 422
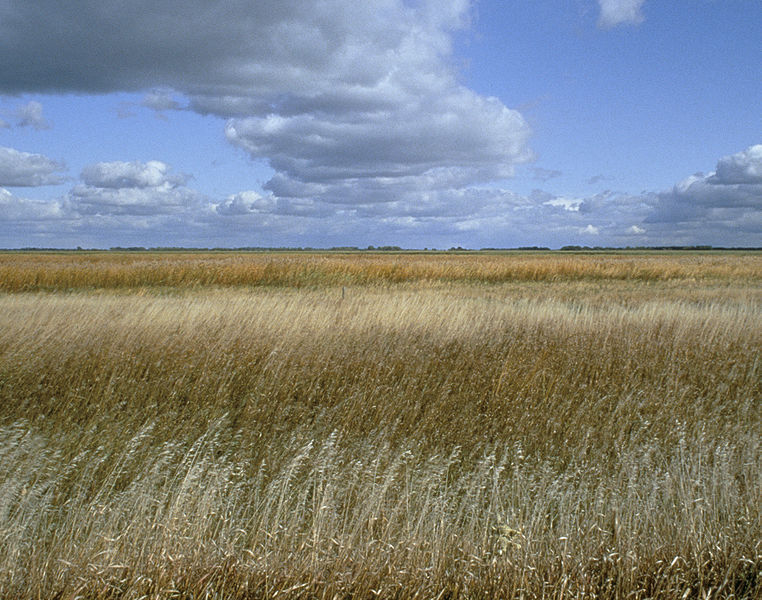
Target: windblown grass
112, 270
539, 440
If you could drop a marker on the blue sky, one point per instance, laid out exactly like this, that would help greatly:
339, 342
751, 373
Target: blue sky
420, 123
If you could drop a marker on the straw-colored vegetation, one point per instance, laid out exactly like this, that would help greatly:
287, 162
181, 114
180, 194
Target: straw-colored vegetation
113, 270
495, 426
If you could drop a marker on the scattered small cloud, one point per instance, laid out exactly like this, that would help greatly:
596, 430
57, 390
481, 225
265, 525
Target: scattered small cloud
596, 179
125, 110
590, 230
620, 12
545, 174
636, 230
569, 204
245, 203
30, 115
161, 101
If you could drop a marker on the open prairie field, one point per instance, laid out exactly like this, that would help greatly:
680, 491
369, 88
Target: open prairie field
230, 425
56, 271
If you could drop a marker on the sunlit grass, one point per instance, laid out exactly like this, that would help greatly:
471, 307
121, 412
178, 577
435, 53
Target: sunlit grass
84, 270
596, 438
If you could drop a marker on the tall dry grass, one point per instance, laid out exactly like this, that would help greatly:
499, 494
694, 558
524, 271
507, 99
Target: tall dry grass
20, 271
532, 441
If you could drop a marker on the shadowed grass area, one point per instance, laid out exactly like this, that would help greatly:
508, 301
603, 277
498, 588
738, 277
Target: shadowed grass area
569, 439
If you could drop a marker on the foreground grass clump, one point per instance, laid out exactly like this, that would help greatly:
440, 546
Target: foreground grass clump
528, 440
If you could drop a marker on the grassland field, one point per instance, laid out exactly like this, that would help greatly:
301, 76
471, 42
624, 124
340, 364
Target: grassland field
380, 425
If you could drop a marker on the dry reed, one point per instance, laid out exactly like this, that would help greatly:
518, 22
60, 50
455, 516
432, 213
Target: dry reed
537, 440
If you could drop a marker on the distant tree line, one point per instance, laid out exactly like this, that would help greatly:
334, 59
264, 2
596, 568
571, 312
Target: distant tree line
571, 248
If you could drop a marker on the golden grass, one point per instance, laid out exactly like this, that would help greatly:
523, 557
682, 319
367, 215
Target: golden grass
109, 270
590, 438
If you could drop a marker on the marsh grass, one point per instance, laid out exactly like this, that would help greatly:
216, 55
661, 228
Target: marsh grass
539, 439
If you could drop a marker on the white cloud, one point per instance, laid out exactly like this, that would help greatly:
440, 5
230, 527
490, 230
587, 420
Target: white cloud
160, 101
545, 174
445, 217
30, 115
136, 174
570, 204
28, 170
740, 168
133, 188
16, 211
490, 217
337, 95
733, 191
619, 12
467, 137
325, 203
722, 208
133, 201
245, 203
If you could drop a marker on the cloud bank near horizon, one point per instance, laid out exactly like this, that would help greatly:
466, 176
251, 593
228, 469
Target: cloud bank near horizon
129, 202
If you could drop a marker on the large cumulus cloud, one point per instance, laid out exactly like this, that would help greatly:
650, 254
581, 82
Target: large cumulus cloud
25, 169
132, 188
358, 109
727, 200
740, 168
335, 94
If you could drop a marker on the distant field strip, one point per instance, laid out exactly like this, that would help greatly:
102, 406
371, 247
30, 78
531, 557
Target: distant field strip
573, 438
87, 270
